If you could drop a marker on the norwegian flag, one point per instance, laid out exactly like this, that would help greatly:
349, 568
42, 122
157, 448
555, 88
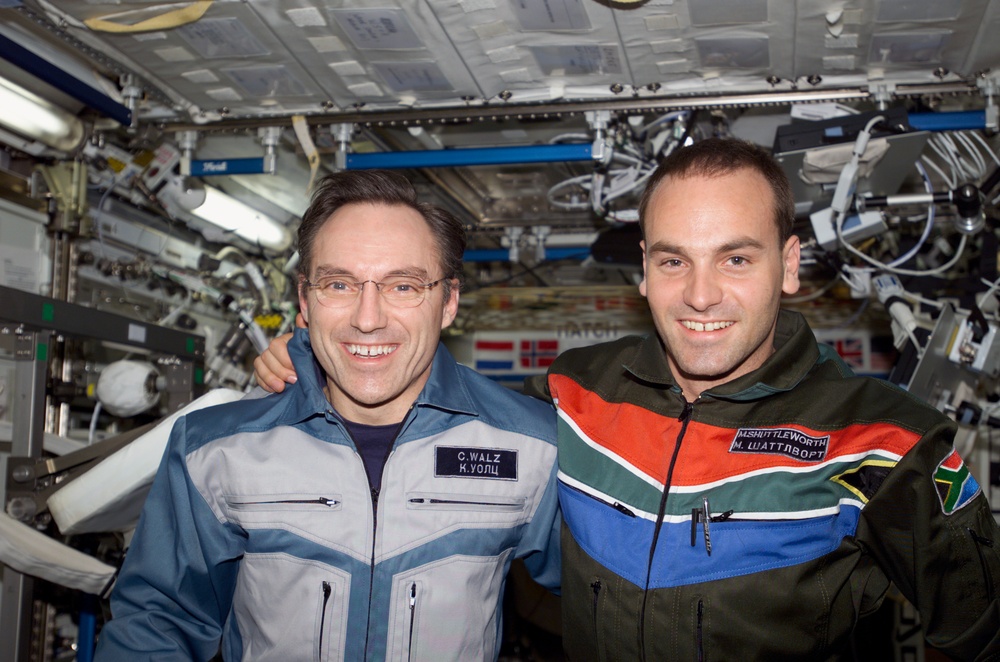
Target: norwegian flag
538, 353
852, 350
492, 355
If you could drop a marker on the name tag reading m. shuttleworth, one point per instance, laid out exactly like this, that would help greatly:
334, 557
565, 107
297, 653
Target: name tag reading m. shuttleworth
462, 462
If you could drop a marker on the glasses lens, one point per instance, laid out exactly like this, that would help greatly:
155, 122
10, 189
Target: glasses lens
403, 291
336, 292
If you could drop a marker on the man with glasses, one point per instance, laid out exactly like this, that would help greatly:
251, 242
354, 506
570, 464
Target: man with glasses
371, 510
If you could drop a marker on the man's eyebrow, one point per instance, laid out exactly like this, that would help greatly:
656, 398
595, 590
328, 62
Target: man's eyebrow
665, 247
740, 243
326, 270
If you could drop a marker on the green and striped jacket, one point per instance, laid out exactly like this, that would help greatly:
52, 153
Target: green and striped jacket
761, 521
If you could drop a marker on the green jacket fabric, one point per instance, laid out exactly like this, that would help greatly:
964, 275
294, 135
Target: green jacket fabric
761, 521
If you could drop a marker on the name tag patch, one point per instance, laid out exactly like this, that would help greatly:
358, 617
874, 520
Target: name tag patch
780, 441
462, 462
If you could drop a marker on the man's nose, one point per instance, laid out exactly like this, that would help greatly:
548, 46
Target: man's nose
703, 289
369, 310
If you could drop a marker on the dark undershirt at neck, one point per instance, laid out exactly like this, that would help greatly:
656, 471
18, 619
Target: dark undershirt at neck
373, 443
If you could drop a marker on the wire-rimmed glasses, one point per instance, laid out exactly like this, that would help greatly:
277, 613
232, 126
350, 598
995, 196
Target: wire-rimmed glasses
401, 291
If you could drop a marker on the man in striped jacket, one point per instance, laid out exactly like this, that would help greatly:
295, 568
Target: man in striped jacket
729, 489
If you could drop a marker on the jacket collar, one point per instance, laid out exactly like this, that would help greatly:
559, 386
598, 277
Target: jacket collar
795, 354
446, 388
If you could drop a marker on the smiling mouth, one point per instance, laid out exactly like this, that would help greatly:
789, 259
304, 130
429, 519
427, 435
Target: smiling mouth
371, 351
706, 326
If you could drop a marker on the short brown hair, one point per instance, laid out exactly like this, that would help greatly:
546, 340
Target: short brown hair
380, 187
715, 157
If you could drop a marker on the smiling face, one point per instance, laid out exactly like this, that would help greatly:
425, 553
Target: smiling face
714, 270
377, 357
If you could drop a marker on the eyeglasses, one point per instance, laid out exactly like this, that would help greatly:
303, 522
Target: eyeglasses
401, 291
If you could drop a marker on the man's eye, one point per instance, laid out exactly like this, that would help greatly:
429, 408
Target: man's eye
737, 260
403, 286
336, 286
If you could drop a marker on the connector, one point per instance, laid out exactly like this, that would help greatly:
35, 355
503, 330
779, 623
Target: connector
856, 227
890, 293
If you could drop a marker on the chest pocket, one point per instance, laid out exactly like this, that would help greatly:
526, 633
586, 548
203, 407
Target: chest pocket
313, 515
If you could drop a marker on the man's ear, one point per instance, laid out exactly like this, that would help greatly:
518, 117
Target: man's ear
450, 310
791, 256
642, 283
303, 303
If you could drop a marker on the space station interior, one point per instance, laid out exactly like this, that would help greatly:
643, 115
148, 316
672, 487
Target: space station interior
156, 158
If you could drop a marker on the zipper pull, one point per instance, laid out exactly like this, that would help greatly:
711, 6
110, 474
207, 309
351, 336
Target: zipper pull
980, 539
413, 596
686, 412
623, 509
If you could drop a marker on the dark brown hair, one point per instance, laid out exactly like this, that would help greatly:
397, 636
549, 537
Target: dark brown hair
380, 187
716, 157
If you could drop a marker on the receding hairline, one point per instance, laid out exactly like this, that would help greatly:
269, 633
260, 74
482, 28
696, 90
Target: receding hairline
719, 173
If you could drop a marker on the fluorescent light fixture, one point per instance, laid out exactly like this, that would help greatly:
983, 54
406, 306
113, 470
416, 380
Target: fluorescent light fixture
29, 115
234, 216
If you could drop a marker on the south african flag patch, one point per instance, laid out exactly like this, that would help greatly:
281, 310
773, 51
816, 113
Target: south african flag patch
955, 484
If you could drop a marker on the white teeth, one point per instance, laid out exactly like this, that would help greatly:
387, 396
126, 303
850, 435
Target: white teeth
370, 350
706, 326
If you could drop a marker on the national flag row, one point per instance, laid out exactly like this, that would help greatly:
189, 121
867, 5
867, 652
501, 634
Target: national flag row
525, 355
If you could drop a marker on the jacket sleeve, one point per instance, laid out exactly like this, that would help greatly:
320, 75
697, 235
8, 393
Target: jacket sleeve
540, 545
176, 585
931, 531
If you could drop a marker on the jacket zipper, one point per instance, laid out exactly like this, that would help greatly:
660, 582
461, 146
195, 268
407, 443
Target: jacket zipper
413, 613
596, 586
987, 576
684, 418
700, 631
620, 507
462, 502
318, 501
375, 494
322, 619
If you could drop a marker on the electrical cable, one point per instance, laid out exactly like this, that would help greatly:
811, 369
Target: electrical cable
812, 296
927, 228
949, 179
93, 423
986, 147
907, 272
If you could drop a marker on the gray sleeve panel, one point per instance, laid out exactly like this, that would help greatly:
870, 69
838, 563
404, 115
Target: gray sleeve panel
418, 505
267, 480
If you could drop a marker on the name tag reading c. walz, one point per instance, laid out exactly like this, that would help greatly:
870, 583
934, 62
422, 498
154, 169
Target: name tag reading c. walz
472, 462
